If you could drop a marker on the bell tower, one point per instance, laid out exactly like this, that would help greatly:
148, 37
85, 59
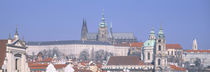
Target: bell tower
103, 30
160, 52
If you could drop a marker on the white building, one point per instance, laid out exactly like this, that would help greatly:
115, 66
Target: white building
76, 46
12, 55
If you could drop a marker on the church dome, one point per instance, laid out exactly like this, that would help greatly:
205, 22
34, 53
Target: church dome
149, 43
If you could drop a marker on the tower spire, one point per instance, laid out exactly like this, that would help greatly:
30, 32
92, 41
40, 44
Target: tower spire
16, 33
195, 46
10, 36
160, 33
84, 31
103, 23
152, 34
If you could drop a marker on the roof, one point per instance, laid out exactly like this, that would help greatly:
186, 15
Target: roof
173, 46
44, 66
133, 44
149, 43
124, 60
118, 35
136, 44
3, 46
177, 68
66, 42
198, 51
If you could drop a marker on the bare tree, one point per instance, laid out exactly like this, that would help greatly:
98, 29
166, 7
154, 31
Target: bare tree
101, 55
84, 55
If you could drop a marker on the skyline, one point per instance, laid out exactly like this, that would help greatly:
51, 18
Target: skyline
182, 21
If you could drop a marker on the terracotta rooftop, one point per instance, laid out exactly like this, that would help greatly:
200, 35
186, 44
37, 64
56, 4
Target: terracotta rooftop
177, 68
196, 51
3, 46
44, 66
173, 46
124, 60
134, 44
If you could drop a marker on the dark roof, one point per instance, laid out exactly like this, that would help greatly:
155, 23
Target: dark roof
124, 60
66, 42
116, 35
3, 46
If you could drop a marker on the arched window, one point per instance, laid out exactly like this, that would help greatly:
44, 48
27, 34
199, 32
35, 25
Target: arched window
159, 48
171, 52
159, 41
16, 60
148, 56
158, 61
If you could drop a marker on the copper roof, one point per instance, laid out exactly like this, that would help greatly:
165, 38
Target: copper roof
177, 68
173, 46
196, 51
3, 46
124, 60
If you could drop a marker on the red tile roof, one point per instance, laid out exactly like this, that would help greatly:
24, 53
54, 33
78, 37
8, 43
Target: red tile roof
124, 60
134, 44
173, 46
3, 46
44, 66
177, 68
196, 51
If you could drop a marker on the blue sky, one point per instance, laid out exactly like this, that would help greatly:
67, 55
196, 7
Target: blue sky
46, 20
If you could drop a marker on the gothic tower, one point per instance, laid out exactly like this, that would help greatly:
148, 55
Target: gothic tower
195, 46
84, 31
102, 31
160, 52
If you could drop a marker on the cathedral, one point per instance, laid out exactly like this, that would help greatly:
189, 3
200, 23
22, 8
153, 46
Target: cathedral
105, 35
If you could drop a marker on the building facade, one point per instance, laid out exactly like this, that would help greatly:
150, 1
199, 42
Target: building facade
106, 35
13, 55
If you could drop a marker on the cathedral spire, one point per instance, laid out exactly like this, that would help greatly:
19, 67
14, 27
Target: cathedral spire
103, 23
84, 31
195, 46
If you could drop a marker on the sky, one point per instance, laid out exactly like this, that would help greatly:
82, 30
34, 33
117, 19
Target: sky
50, 20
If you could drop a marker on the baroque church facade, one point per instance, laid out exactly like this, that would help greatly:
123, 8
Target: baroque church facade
106, 35
13, 55
154, 51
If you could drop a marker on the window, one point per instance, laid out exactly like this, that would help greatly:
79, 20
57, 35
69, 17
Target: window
158, 61
148, 56
171, 52
16, 63
168, 52
159, 41
175, 52
159, 48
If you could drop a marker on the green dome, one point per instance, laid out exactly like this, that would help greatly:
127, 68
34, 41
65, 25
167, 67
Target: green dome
149, 43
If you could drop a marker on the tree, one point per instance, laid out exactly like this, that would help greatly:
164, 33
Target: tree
84, 55
101, 55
